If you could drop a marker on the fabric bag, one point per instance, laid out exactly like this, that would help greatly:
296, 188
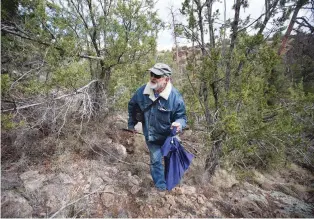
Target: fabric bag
177, 160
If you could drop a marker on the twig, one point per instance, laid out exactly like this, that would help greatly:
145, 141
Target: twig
71, 203
13, 84
107, 152
64, 117
190, 145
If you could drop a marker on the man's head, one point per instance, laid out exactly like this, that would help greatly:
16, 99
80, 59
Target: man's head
159, 76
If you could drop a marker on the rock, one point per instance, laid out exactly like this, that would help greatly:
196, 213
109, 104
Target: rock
135, 189
187, 133
250, 209
10, 181
26, 137
55, 196
223, 179
106, 179
109, 188
65, 179
267, 186
292, 205
107, 199
285, 188
107, 141
119, 151
262, 181
125, 174
281, 214
139, 143
120, 124
259, 199
170, 200
177, 191
32, 180
13, 205
95, 183
188, 190
137, 178
215, 213
86, 188
134, 180
184, 202
106, 173
200, 200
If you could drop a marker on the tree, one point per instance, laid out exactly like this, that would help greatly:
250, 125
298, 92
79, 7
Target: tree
298, 6
107, 33
248, 118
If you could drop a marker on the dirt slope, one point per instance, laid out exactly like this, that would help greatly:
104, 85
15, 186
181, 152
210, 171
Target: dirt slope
106, 174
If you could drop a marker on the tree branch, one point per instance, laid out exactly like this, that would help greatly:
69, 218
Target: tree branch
251, 23
307, 24
29, 38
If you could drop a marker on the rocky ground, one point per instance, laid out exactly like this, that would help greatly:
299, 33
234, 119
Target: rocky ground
110, 178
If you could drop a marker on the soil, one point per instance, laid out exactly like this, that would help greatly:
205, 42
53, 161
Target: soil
74, 179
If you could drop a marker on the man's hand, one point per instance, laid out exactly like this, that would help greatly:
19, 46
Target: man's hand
177, 125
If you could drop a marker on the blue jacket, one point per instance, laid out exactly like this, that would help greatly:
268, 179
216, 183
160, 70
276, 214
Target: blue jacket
169, 108
177, 160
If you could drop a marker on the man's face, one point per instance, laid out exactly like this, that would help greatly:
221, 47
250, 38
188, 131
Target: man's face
157, 81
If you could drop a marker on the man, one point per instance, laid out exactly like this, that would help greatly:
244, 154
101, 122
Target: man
166, 113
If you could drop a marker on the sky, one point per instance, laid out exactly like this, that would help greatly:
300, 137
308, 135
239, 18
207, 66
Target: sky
165, 38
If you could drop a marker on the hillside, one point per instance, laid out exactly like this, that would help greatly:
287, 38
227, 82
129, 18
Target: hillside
74, 176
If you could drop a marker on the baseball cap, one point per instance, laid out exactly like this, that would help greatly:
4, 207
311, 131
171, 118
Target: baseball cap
161, 69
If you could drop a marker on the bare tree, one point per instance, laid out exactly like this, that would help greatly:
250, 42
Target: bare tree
174, 33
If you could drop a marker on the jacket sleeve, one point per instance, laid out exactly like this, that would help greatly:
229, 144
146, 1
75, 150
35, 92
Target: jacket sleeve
132, 102
180, 114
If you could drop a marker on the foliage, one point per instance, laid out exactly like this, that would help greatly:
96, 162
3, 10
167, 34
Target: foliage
73, 76
263, 119
8, 122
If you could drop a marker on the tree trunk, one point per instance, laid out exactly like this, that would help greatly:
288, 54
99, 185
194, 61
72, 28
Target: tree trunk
199, 9
204, 85
106, 78
209, 4
269, 10
212, 160
299, 4
234, 35
224, 35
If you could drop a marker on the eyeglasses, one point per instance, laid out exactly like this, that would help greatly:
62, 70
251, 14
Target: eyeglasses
156, 76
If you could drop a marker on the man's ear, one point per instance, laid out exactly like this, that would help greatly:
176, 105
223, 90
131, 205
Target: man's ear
167, 79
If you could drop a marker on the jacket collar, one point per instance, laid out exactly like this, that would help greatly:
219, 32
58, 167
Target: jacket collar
164, 94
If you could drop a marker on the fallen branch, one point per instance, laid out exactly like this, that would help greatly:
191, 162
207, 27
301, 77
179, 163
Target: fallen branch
79, 91
92, 57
